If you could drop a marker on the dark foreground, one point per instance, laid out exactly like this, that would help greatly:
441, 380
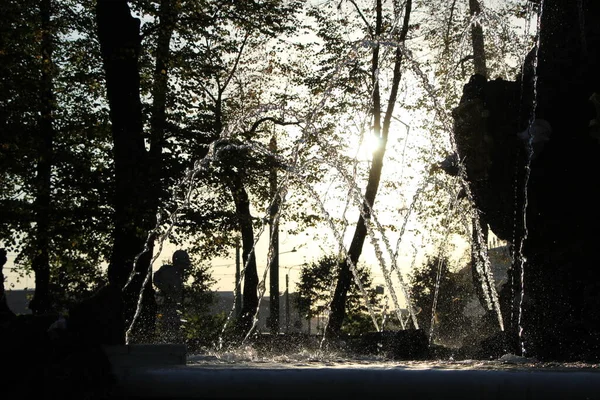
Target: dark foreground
356, 382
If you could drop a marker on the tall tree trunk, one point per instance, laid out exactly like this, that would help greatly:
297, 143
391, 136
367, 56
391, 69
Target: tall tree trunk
41, 302
120, 42
250, 294
477, 40
244, 217
167, 20
338, 304
274, 239
448, 28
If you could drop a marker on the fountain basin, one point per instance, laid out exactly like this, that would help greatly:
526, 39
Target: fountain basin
367, 380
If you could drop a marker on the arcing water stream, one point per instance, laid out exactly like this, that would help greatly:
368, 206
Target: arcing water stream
291, 167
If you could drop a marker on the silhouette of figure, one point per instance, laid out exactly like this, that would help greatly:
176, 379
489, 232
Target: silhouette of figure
169, 281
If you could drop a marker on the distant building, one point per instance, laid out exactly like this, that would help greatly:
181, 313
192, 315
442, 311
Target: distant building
289, 319
500, 262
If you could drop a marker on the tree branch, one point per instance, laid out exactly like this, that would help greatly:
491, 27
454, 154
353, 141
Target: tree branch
447, 35
272, 119
362, 17
235, 64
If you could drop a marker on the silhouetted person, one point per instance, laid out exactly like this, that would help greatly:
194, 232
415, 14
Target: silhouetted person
169, 281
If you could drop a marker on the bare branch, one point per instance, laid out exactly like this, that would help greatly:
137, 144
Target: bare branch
362, 17
235, 64
205, 89
447, 35
397, 73
271, 119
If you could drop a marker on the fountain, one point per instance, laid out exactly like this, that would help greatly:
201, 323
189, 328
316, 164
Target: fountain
519, 147
525, 186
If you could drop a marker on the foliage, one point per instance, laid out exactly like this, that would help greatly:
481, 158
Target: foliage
220, 85
80, 180
201, 327
315, 287
454, 291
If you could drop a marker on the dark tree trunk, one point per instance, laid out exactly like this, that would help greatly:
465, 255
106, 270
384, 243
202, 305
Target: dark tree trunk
274, 239
242, 208
154, 178
477, 40
250, 294
448, 27
381, 131
41, 302
120, 42
167, 20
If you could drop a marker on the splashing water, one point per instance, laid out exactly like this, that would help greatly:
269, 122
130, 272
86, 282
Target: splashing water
187, 186
482, 265
451, 205
186, 183
291, 174
521, 257
371, 219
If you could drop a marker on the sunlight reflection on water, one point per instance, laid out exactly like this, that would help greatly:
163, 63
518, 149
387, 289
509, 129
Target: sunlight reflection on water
248, 358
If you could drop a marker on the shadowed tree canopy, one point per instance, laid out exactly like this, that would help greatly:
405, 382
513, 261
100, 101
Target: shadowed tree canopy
314, 294
435, 286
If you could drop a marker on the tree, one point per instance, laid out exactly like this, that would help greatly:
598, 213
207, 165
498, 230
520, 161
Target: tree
199, 51
52, 155
381, 130
119, 38
36, 78
41, 261
201, 328
18, 118
315, 287
80, 218
434, 288
220, 61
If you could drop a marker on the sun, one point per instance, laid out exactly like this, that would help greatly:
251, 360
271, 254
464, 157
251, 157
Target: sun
371, 143
362, 145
